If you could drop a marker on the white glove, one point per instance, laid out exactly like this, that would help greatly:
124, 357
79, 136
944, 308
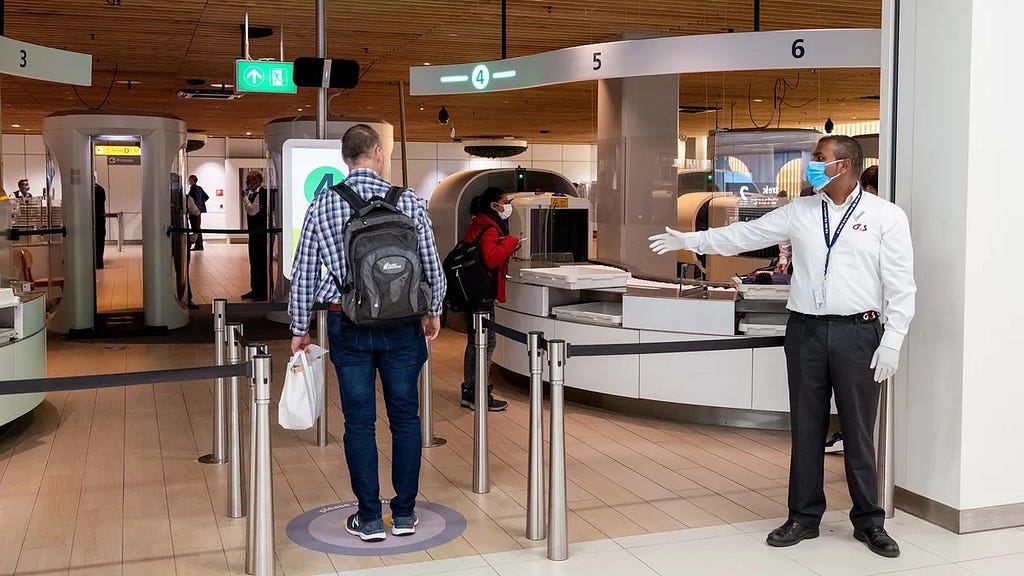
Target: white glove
885, 361
670, 241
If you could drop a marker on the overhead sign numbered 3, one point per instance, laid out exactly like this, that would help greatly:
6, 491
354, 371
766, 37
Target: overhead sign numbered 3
26, 60
777, 50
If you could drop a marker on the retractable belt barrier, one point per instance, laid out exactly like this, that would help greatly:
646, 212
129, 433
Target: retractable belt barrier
66, 383
558, 352
246, 231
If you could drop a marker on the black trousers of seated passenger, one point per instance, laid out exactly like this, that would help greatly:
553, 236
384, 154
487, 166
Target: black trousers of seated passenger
825, 356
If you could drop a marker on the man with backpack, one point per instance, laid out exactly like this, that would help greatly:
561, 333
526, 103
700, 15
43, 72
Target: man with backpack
384, 290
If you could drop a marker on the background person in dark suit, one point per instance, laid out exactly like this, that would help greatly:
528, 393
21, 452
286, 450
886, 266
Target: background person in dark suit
199, 196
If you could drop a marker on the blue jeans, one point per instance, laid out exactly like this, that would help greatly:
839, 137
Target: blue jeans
397, 353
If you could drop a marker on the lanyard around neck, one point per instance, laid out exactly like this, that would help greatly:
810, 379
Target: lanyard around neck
830, 239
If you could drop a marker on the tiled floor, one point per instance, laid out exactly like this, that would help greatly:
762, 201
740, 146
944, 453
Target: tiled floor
106, 482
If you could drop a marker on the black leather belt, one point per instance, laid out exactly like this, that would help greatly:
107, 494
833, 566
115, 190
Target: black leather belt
862, 318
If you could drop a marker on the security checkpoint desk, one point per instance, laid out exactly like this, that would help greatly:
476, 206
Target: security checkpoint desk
24, 357
742, 387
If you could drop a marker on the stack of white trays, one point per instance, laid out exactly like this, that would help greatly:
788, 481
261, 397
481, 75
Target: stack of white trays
582, 277
761, 291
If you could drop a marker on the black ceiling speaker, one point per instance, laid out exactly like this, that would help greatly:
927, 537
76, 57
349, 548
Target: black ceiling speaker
829, 126
443, 116
310, 73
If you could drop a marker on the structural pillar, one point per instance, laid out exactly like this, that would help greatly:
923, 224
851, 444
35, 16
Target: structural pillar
637, 159
949, 140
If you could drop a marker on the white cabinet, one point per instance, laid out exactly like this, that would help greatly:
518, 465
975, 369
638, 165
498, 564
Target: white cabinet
715, 378
616, 375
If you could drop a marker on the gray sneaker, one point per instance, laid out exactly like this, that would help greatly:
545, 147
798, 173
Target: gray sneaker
367, 532
404, 525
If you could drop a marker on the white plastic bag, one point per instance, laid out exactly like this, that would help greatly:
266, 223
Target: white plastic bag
302, 400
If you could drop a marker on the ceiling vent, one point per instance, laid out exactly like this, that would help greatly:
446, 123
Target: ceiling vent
195, 142
494, 147
208, 95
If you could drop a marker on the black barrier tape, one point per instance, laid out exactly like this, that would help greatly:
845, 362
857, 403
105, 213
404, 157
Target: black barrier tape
250, 232
126, 379
575, 350
14, 234
506, 331
262, 307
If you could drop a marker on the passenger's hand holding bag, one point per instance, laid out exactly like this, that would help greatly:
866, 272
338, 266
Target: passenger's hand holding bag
302, 400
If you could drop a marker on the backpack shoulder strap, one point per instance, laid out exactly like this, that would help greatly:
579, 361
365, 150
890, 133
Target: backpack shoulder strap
394, 194
349, 195
482, 232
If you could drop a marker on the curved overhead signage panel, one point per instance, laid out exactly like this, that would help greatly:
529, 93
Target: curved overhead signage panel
781, 50
26, 60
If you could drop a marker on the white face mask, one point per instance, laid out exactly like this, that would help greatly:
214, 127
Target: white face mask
506, 211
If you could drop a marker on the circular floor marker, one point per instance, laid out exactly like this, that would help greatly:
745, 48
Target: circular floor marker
323, 530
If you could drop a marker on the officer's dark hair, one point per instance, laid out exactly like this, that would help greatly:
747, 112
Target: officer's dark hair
848, 149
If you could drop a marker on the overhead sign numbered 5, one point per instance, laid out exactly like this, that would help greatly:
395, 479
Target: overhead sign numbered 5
26, 60
777, 50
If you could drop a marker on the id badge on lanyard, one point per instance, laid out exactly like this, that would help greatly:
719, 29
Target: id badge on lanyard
830, 241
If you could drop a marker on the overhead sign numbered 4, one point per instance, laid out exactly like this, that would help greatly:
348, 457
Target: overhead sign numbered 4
309, 168
777, 50
264, 76
26, 60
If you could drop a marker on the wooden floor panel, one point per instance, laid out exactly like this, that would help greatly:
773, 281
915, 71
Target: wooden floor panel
107, 482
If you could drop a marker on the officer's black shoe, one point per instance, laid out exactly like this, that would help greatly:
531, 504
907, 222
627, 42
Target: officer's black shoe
790, 533
879, 541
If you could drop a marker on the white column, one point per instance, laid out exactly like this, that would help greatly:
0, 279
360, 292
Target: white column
959, 390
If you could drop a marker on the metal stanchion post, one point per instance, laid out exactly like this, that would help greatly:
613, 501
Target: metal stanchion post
481, 479
251, 351
883, 450
321, 337
236, 497
263, 553
427, 407
558, 534
219, 455
535, 476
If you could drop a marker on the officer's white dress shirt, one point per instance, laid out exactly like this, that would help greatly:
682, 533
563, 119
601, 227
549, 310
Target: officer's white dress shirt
872, 262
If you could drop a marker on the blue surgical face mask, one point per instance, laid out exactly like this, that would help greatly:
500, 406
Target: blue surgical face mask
816, 174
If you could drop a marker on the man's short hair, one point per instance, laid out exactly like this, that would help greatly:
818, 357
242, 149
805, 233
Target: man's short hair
193, 177
358, 141
25, 180
848, 149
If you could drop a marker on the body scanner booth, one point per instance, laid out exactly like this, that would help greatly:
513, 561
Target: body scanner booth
70, 139
309, 157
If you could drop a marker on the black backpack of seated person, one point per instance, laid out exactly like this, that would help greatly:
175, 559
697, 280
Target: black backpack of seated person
471, 284
383, 275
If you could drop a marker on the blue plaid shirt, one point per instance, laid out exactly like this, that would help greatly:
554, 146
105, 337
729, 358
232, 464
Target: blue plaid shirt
322, 244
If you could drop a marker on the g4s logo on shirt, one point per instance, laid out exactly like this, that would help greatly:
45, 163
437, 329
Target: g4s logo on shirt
860, 227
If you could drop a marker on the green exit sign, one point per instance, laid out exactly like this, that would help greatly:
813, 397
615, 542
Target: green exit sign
264, 76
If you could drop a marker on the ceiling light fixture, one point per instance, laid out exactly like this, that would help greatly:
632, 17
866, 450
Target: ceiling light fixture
758, 100
248, 133
15, 125
443, 117
426, 63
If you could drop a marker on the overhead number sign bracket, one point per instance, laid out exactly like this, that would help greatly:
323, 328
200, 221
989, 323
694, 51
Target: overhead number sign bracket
777, 50
26, 60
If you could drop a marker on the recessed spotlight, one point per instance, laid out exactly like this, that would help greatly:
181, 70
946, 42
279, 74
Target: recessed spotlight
422, 108
248, 133
426, 63
758, 100
300, 109
222, 85
15, 125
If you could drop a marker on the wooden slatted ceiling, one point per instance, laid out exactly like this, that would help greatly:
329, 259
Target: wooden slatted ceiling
160, 43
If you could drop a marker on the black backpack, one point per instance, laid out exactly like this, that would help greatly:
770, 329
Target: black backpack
471, 284
383, 276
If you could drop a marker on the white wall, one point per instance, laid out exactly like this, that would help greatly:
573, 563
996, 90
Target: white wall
993, 337
24, 157
959, 392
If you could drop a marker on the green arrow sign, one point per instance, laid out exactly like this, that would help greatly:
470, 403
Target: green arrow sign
264, 76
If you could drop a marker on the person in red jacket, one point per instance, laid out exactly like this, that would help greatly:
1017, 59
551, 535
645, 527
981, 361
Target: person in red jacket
490, 211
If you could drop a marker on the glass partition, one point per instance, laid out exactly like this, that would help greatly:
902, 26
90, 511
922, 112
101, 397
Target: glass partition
179, 221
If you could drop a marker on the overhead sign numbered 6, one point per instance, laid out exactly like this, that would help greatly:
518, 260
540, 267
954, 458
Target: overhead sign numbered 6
776, 50
26, 60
